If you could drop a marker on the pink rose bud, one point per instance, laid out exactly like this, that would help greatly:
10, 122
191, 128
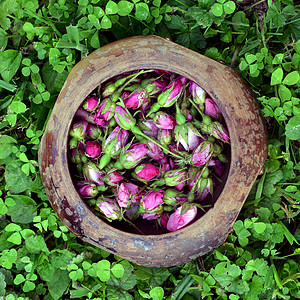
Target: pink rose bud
204, 187
212, 110
193, 175
172, 92
146, 171
115, 141
79, 129
92, 173
112, 178
91, 103
178, 220
110, 209
123, 196
202, 154
124, 118
187, 135
164, 121
155, 152
151, 201
104, 113
133, 155
136, 99
165, 136
218, 131
175, 177
93, 132
92, 149
126, 192
198, 94
88, 190
148, 127
170, 197
109, 90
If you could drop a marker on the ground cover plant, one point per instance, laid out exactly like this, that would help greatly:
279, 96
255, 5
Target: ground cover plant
40, 42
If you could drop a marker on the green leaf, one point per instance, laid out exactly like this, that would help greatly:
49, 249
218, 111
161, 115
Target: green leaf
250, 58
28, 286
217, 9
240, 22
19, 279
277, 76
284, 93
13, 227
16, 180
292, 128
94, 20
18, 107
15, 238
106, 23
125, 8
6, 144
229, 7
118, 270
141, 11
8, 258
291, 78
103, 270
24, 210
259, 227
10, 62
59, 283
157, 293
111, 8
8, 86
36, 244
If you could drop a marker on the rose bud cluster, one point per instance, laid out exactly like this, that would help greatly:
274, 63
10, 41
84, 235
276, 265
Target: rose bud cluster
148, 145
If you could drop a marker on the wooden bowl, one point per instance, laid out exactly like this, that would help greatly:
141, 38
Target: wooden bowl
248, 150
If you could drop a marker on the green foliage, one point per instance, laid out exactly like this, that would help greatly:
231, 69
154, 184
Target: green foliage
40, 42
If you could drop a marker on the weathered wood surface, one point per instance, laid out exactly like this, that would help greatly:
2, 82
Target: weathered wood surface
248, 150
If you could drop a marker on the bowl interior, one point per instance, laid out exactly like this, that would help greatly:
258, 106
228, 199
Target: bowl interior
151, 227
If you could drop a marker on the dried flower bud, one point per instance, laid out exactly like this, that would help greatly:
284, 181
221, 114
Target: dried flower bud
212, 110
92, 173
187, 135
115, 141
124, 118
109, 208
90, 103
175, 177
88, 190
151, 201
202, 154
104, 113
198, 94
133, 155
79, 129
146, 171
92, 149
178, 219
164, 121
